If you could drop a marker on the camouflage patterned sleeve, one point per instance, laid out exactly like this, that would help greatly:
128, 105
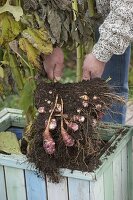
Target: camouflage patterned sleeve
116, 33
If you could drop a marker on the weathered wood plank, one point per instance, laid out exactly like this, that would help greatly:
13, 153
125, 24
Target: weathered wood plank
5, 122
130, 170
36, 188
108, 183
97, 189
17, 120
106, 160
13, 111
117, 177
2, 184
124, 174
57, 191
21, 163
78, 189
15, 184
3, 112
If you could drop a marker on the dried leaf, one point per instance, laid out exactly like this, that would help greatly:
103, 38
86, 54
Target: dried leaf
16, 11
67, 23
30, 4
39, 39
64, 35
80, 27
31, 52
14, 46
74, 33
1, 89
9, 28
1, 72
55, 24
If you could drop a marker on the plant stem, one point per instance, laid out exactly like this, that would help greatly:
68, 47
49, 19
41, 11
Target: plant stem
91, 8
79, 63
78, 46
49, 119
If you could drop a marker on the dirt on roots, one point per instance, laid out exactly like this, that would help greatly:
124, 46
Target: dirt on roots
65, 133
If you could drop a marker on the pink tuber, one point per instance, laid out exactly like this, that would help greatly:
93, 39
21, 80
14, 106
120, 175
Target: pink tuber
52, 124
98, 106
79, 118
41, 110
68, 140
72, 125
48, 142
85, 104
100, 115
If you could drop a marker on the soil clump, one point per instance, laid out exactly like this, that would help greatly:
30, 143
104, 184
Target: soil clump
65, 133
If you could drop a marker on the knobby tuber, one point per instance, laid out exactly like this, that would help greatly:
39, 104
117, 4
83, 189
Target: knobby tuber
65, 133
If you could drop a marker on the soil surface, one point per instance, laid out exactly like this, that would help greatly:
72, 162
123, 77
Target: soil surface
65, 133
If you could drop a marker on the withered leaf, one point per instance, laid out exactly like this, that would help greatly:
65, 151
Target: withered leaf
74, 33
67, 23
55, 24
64, 34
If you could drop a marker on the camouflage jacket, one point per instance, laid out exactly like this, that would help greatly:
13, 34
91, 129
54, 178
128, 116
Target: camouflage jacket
116, 32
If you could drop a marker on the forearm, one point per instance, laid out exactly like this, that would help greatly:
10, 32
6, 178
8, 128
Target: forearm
116, 32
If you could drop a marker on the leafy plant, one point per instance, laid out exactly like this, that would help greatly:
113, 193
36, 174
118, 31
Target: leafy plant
28, 31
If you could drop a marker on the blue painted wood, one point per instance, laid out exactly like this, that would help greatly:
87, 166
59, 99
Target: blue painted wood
78, 189
57, 191
36, 187
117, 177
130, 170
108, 183
22, 163
124, 174
15, 184
17, 131
97, 189
2, 184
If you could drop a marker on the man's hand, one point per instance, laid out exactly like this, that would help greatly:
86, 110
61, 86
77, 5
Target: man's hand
54, 64
92, 67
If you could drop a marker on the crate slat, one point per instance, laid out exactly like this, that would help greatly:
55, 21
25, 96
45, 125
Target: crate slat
15, 184
107, 160
130, 170
2, 184
97, 189
117, 177
36, 188
108, 183
5, 122
57, 191
78, 189
124, 174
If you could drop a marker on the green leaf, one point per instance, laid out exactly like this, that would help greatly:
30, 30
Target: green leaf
10, 29
16, 11
1, 72
26, 99
9, 143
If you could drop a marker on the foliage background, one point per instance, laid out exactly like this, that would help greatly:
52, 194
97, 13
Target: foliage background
12, 100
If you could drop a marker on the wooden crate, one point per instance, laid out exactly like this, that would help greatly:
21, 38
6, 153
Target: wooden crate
112, 181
